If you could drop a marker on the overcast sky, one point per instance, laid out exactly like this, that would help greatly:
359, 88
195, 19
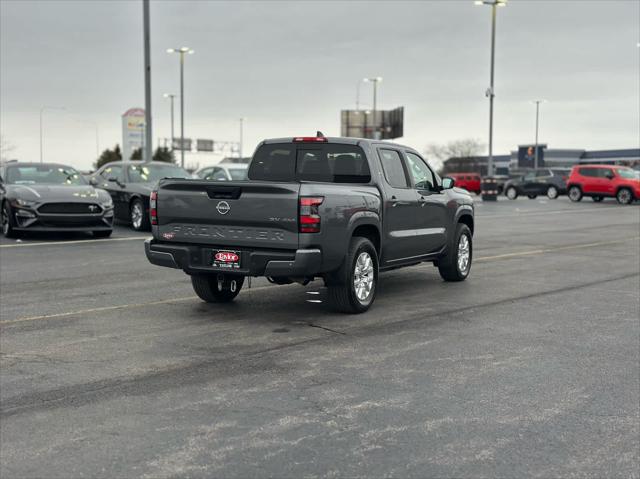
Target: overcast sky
290, 67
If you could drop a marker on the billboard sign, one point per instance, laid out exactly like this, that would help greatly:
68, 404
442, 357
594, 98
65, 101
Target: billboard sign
132, 131
527, 156
387, 124
204, 145
179, 145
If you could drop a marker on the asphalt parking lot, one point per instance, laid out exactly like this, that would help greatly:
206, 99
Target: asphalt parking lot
112, 368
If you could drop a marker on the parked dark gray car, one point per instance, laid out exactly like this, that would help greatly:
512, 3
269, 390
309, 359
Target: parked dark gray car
51, 197
130, 185
341, 209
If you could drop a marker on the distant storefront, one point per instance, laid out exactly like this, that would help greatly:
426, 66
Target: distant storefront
524, 158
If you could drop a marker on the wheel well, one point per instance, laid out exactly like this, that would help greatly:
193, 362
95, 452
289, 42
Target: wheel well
371, 233
467, 220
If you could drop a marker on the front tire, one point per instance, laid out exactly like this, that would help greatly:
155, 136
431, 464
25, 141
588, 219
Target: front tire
575, 194
512, 193
552, 193
353, 287
8, 222
139, 220
210, 290
456, 265
624, 196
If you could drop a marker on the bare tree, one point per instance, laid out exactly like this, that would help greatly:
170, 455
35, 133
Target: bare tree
438, 153
5, 149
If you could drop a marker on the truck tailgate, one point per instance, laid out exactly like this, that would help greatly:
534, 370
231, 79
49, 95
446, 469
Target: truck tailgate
242, 214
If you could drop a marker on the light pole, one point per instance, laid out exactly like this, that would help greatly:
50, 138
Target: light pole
181, 51
147, 152
241, 135
42, 110
171, 97
537, 102
374, 122
490, 92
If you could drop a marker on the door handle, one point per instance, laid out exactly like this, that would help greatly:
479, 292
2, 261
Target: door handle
422, 200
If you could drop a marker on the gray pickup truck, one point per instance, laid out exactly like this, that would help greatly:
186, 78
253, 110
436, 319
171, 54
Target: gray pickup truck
340, 209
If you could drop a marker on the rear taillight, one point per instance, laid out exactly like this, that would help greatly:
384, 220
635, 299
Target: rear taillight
153, 205
309, 214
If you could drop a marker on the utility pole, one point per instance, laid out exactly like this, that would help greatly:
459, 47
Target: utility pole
241, 135
181, 51
374, 123
171, 97
148, 142
537, 102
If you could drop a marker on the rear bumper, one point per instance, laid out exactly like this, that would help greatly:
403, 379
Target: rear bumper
193, 260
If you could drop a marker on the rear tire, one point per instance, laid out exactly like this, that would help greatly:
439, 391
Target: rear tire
597, 199
511, 193
352, 289
552, 193
575, 194
624, 196
8, 222
102, 234
207, 288
139, 220
453, 266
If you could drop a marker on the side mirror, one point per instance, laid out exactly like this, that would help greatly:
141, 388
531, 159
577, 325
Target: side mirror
93, 181
448, 183
609, 175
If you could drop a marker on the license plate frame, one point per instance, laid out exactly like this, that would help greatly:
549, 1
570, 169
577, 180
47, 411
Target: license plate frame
221, 263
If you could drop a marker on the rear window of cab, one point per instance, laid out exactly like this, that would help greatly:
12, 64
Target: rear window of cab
326, 163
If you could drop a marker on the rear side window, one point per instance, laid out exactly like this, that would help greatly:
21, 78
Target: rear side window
393, 170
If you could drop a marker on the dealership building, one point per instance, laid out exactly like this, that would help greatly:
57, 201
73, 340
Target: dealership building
524, 157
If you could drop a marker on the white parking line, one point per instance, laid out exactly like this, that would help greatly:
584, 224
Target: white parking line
191, 298
54, 243
550, 212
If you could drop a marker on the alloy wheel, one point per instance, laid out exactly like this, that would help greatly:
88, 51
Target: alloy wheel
136, 215
363, 276
464, 254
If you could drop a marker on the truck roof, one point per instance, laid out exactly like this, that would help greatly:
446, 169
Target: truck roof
340, 140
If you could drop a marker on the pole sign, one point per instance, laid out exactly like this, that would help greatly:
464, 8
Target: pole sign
389, 124
527, 156
179, 145
132, 131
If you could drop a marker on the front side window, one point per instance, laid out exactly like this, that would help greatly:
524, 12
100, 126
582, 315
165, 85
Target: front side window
529, 176
605, 172
148, 173
46, 174
626, 173
422, 175
393, 170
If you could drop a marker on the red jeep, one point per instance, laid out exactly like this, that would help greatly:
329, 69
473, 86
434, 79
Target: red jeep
600, 181
468, 181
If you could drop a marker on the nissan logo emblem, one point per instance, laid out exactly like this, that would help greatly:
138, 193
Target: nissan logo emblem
223, 207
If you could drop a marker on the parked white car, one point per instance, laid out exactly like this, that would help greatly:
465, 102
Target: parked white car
230, 172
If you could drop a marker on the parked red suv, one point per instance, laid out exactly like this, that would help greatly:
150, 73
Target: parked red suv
600, 181
468, 181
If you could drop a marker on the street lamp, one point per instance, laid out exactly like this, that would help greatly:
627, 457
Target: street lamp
375, 82
181, 51
171, 97
42, 110
490, 92
537, 102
